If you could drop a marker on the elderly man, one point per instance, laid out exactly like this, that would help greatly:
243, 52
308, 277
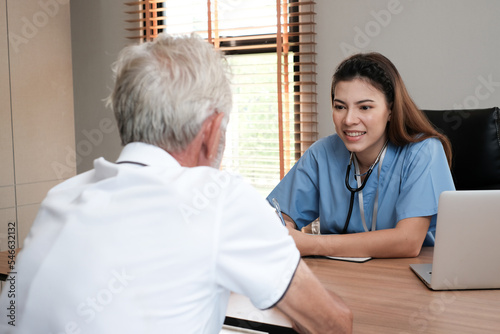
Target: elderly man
155, 242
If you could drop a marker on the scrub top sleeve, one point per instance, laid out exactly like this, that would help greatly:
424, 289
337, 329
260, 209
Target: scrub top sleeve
298, 191
425, 176
256, 256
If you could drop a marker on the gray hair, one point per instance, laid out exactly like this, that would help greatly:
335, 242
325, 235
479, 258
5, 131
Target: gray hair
165, 89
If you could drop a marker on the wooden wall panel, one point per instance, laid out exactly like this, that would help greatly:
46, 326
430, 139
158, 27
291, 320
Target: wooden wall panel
37, 136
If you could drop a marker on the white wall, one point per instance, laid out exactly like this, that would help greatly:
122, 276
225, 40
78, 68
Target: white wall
98, 34
446, 50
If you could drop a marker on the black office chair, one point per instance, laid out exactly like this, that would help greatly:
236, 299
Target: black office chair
475, 140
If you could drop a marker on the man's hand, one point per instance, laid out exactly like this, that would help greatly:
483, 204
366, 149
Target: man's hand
312, 308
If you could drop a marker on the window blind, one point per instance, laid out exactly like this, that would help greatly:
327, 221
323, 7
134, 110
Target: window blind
270, 45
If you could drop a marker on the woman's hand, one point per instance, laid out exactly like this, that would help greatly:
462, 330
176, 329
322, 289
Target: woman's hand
306, 243
405, 240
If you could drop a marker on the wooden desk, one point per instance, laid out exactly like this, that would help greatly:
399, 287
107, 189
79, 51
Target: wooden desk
387, 297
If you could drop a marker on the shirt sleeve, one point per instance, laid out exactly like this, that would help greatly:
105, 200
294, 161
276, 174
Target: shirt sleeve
425, 176
298, 191
256, 256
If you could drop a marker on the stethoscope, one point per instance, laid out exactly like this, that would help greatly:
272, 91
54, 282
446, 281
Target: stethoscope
353, 191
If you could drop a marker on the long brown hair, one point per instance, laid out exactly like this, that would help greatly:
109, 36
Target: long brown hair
408, 123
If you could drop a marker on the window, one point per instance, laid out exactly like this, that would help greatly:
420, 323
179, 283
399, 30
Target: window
270, 47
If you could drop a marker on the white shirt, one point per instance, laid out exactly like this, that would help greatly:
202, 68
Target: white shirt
126, 248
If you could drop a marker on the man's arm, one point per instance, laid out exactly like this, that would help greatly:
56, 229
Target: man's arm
312, 308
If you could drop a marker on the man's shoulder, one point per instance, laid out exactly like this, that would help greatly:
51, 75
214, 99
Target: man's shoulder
72, 182
212, 177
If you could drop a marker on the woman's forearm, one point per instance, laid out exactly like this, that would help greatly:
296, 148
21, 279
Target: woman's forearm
405, 240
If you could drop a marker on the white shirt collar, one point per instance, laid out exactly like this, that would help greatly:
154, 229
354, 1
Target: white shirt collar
147, 154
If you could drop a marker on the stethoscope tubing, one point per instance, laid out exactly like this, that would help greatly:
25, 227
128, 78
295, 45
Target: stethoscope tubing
352, 190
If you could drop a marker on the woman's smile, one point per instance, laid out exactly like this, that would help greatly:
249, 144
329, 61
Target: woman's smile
360, 115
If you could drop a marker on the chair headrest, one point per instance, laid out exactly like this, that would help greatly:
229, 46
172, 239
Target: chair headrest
475, 140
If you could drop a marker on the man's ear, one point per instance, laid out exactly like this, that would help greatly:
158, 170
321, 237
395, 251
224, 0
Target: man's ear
212, 135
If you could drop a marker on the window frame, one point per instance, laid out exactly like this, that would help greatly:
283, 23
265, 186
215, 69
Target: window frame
290, 37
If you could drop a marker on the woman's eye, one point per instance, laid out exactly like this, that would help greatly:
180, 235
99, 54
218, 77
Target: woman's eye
338, 107
365, 107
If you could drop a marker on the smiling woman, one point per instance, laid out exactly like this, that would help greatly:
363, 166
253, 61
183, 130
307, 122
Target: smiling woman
360, 115
379, 130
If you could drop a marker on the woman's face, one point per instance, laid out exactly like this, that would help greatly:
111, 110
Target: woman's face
360, 115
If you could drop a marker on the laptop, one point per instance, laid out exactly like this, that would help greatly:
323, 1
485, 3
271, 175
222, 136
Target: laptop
467, 245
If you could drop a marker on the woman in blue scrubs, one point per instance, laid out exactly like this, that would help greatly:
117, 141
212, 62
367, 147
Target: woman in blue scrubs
395, 152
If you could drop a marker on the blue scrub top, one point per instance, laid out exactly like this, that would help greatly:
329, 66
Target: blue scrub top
411, 179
